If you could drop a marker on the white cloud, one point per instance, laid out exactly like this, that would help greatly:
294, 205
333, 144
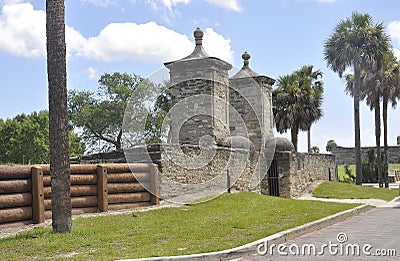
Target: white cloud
396, 53
99, 2
228, 4
92, 72
393, 30
169, 4
22, 30
322, 1
148, 42
216, 45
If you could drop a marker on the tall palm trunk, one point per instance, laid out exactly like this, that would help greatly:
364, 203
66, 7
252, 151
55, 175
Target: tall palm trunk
58, 117
357, 87
385, 142
378, 139
294, 132
309, 139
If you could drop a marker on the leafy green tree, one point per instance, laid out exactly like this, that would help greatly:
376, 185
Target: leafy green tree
100, 115
156, 122
357, 43
24, 139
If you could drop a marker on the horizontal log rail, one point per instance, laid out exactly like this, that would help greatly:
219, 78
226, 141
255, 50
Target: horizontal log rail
15, 186
25, 191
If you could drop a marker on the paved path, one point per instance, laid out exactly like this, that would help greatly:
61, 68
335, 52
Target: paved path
376, 230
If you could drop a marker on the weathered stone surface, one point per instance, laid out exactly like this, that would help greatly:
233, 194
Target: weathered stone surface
297, 171
348, 155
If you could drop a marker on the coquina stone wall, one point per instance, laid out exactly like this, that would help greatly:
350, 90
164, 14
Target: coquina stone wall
200, 171
297, 171
346, 155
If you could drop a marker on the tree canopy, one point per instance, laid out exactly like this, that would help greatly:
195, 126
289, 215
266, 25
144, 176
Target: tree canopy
297, 101
100, 115
24, 139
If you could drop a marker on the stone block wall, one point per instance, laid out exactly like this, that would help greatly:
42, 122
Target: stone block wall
310, 168
297, 171
201, 110
188, 171
346, 155
250, 111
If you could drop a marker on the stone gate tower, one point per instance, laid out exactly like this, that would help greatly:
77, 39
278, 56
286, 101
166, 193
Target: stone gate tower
199, 89
250, 98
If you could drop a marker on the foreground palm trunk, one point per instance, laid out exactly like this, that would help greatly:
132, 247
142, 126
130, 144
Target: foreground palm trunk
294, 132
357, 125
58, 117
378, 140
385, 142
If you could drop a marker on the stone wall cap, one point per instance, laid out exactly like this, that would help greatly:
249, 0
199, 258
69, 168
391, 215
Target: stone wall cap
283, 144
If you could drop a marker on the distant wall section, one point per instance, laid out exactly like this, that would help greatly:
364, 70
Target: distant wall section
345, 155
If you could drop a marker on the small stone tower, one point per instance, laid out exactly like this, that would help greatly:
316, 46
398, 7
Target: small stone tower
199, 90
250, 101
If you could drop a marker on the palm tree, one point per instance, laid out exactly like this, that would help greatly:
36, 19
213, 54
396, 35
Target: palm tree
287, 109
373, 93
390, 77
297, 101
385, 85
314, 110
357, 43
58, 117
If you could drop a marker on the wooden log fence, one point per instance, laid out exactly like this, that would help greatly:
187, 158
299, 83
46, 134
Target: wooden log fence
25, 191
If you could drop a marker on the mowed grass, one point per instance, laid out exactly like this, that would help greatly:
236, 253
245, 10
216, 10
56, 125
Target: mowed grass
225, 222
342, 174
346, 190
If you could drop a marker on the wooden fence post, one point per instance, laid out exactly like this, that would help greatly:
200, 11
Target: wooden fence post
155, 200
102, 192
37, 195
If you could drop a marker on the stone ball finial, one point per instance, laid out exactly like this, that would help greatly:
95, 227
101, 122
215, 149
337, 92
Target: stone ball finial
283, 144
246, 57
198, 36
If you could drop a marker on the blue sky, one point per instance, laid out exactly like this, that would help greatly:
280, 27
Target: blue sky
137, 36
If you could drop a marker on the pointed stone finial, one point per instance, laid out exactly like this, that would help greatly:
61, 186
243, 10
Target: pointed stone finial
246, 57
198, 36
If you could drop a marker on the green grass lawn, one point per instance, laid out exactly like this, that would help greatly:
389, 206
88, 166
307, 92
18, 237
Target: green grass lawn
346, 190
225, 222
342, 173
